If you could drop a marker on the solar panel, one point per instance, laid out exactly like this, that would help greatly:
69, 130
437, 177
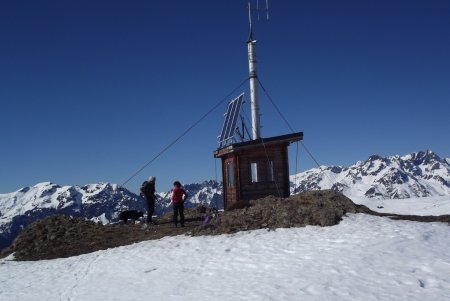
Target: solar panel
225, 123
229, 125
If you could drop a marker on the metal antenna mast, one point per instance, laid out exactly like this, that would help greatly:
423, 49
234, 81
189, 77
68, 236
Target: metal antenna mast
254, 100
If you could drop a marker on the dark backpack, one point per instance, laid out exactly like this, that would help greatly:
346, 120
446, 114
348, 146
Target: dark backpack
143, 187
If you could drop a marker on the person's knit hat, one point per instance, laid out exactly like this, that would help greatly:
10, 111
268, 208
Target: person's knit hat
152, 179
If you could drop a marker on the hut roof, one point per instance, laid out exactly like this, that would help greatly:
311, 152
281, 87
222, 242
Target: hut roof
288, 139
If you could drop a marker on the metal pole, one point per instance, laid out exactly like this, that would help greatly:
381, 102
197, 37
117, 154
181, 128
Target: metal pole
254, 101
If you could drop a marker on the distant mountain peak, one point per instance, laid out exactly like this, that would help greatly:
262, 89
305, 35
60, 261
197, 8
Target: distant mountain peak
417, 174
375, 158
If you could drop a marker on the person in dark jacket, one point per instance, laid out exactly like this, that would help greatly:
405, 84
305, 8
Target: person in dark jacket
148, 191
178, 198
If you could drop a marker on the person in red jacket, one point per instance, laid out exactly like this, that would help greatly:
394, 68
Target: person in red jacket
178, 198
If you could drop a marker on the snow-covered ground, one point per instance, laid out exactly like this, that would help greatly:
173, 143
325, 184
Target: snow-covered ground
437, 205
362, 258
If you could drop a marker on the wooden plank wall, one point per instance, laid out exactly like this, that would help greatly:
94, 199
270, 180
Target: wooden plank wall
264, 187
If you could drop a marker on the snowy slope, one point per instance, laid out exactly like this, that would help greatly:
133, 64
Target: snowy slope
419, 174
435, 205
362, 258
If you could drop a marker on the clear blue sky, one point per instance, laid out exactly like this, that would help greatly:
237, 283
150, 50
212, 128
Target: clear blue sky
92, 90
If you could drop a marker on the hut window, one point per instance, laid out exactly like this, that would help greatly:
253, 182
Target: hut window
254, 171
230, 173
270, 175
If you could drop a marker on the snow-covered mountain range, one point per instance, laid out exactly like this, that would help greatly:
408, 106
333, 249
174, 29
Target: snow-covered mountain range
99, 202
418, 174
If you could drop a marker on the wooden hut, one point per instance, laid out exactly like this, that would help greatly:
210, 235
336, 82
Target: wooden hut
256, 168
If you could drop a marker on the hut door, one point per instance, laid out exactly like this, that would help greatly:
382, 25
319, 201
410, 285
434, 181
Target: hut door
230, 182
